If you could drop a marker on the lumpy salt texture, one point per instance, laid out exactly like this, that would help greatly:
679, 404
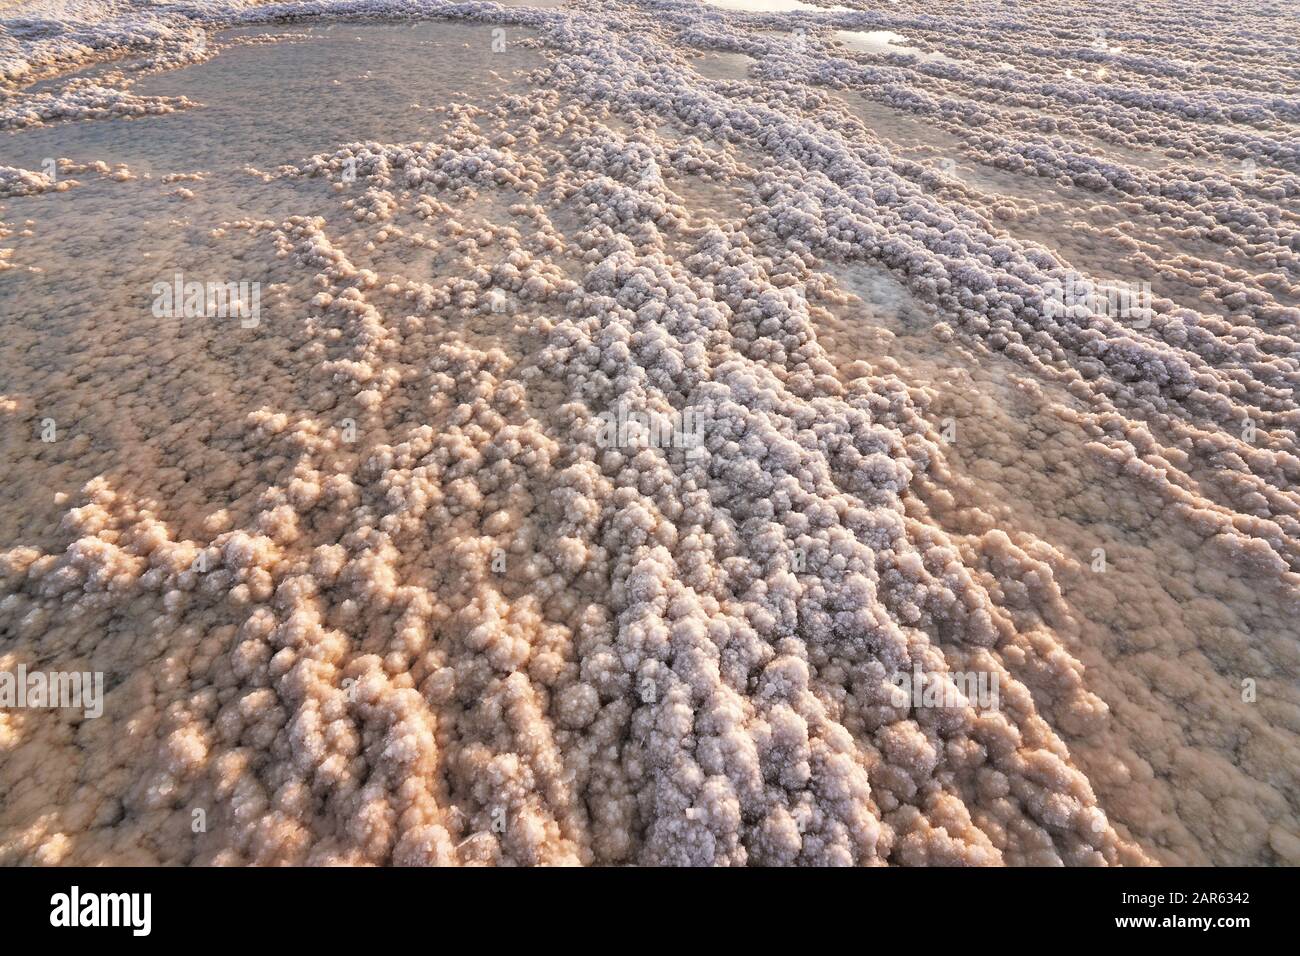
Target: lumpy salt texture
368, 582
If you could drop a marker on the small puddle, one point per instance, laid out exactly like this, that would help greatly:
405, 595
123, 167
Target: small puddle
885, 43
722, 65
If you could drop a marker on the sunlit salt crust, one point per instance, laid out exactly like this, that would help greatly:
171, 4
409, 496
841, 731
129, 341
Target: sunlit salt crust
369, 588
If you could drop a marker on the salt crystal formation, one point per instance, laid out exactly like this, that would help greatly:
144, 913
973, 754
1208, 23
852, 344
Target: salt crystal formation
372, 584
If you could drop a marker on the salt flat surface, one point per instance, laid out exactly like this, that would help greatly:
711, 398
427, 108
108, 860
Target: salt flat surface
371, 579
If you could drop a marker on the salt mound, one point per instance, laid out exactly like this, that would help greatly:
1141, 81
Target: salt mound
636, 466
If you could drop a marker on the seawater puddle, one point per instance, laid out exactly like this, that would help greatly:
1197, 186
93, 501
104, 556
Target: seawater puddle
263, 106
886, 43
266, 104
723, 65
875, 41
83, 345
